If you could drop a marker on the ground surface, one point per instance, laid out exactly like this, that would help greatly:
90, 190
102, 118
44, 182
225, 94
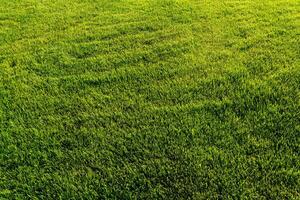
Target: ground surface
149, 99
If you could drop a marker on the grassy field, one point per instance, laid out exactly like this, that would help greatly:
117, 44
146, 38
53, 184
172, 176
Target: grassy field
149, 99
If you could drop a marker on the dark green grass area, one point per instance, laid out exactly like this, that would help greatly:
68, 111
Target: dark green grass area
149, 99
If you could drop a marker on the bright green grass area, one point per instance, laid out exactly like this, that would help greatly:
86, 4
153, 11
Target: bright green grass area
149, 99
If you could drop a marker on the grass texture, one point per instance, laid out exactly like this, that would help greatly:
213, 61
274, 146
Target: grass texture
149, 99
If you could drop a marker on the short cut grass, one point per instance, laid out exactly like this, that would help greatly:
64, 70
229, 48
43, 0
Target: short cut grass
149, 99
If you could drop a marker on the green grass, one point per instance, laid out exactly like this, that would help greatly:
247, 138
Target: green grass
149, 99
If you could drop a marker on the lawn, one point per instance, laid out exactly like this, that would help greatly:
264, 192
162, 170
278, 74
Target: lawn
149, 99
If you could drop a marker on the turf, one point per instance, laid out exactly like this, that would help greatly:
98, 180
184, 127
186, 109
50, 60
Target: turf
149, 99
